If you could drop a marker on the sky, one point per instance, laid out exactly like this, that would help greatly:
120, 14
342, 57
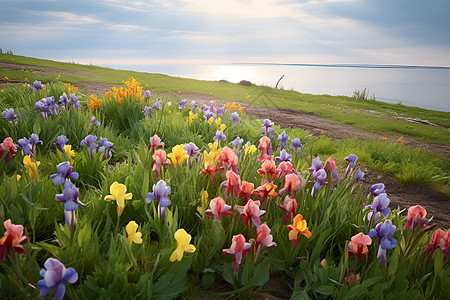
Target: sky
408, 32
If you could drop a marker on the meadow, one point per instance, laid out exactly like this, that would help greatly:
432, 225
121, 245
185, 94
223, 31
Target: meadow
132, 195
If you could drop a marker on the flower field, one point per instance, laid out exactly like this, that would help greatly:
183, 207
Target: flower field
131, 196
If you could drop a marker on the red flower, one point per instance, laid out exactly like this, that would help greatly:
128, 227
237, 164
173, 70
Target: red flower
246, 190
218, 208
290, 206
155, 142
263, 238
265, 148
358, 245
268, 168
12, 239
265, 190
227, 159
284, 169
232, 183
251, 211
239, 248
9, 148
416, 215
292, 184
441, 240
159, 160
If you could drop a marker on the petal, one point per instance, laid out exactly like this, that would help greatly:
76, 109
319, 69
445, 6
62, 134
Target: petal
70, 205
70, 275
60, 291
190, 248
43, 287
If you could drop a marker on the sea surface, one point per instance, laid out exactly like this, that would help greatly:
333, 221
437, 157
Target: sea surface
425, 87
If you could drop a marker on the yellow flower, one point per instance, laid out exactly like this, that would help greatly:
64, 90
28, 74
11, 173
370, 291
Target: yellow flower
400, 141
183, 240
210, 120
132, 234
218, 122
69, 152
223, 127
178, 155
118, 191
32, 167
192, 117
248, 148
213, 146
18, 177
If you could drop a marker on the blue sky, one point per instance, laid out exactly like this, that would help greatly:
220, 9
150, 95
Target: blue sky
407, 32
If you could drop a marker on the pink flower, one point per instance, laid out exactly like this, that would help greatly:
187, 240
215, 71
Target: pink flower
9, 148
251, 211
358, 245
268, 168
232, 183
265, 148
416, 215
291, 185
290, 206
263, 238
218, 208
330, 168
12, 239
246, 190
239, 248
265, 190
155, 142
441, 240
159, 160
227, 159
284, 169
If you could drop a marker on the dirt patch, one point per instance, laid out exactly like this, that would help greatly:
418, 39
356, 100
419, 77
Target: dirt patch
38, 69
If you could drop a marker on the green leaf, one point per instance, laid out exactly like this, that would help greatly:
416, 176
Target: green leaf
228, 273
261, 273
208, 279
325, 290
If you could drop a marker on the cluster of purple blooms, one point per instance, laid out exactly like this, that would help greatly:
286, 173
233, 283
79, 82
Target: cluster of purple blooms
37, 86
219, 136
28, 146
319, 175
267, 129
47, 106
382, 231
8, 115
92, 143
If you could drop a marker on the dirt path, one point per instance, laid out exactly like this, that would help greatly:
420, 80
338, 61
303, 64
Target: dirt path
436, 204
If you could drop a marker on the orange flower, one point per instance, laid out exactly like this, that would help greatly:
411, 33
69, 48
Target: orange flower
384, 139
322, 132
94, 102
400, 141
299, 226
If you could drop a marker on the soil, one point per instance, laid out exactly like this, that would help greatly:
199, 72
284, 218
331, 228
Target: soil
436, 203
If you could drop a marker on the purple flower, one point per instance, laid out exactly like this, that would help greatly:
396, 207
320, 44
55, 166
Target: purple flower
209, 114
8, 114
376, 189
219, 136
94, 121
284, 156
34, 139
37, 85
237, 142
55, 277
220, 111
147, 94
146, 111
359, 176
352, 158
61, 141
235, 117
194, 104
205, 107
266, 124
270, 131
91, 141
160, 192
191, 149
379, 205
25, 145
64, 171
384, 232
316, 165
282, 139
63, 100
69, 196
319, 179
297, 145
182, 104
74, 101
157, 105
105, 145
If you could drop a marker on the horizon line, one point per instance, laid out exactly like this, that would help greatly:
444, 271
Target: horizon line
367, 66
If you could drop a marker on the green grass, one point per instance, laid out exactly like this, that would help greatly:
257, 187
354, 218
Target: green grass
367, 115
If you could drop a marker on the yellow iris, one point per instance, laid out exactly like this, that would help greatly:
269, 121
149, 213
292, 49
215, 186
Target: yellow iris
223, 127
178, 155
32, 167
192, 117
210, 120
118, 191
69, 152
248, 148
183, 240
132, 234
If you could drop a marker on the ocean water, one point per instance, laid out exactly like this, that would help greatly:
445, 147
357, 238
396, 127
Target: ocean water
412, 86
